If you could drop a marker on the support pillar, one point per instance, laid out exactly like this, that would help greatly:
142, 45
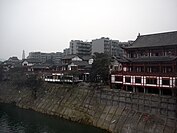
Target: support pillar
126, 88
160, 92
144, 90
173, 92
134, 89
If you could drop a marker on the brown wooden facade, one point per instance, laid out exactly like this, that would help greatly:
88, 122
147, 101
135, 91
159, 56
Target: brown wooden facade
149, 68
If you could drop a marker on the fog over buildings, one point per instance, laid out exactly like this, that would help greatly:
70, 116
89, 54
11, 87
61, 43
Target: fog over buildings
50, 25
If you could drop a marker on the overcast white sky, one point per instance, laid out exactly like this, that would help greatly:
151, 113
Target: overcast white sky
49, 25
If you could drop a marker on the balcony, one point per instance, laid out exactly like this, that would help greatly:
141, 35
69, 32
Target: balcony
145, 73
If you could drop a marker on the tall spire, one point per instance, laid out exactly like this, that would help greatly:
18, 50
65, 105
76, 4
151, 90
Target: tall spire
23, 55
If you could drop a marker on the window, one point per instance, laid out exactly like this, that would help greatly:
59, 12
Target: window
139, 69
137, 79
151, 81
165, 81
128, 79
119, 78
156, 54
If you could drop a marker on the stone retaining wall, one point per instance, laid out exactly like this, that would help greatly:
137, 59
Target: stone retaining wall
113, 110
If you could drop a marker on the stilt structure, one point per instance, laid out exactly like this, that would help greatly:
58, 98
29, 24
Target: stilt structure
151, 64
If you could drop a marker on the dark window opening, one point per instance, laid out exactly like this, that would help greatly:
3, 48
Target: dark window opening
151, 81
153, 90
140, 89
130, 88
137, 79
156, 54
167, 92
128, 79
119, 78
165, 81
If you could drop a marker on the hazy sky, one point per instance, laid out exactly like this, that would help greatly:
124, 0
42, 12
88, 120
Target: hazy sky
49, 25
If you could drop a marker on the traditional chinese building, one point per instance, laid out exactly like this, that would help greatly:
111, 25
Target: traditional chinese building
150, 65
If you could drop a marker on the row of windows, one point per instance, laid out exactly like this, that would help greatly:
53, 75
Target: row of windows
154, 69
148, 80
152, 53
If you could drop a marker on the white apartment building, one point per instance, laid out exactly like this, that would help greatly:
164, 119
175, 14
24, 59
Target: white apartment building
108, 46
80, 47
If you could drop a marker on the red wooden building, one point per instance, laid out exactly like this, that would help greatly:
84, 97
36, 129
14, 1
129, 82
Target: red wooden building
150, 65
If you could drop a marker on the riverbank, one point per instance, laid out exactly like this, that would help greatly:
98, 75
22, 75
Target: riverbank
100, 108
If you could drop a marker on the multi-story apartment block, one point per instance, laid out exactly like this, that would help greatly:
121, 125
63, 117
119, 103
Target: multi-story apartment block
66, 51
150, 65
34, 55
43, 57
80, 47
108, 46
57, 57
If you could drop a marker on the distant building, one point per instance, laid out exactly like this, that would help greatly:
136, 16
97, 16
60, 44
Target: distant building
30, 62
108, 46
126, 44
57, 57
13, 59
66, 51
69, 58
46, 57
35, 55
12, 62
80, 47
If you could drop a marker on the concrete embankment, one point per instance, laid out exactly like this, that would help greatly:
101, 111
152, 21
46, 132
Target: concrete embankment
113, 110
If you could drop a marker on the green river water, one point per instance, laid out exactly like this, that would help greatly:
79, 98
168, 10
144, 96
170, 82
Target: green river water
16, 120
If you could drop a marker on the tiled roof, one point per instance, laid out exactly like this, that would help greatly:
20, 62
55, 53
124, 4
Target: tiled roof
122, 59
40, 66
155, 40
70, 56
31, 60
86, 57
80, 63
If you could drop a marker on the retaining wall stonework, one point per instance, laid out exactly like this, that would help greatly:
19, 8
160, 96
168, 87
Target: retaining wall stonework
113, 110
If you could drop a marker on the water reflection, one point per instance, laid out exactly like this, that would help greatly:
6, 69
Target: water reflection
15, 120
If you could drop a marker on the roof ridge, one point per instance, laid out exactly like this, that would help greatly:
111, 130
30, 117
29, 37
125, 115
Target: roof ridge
158, 33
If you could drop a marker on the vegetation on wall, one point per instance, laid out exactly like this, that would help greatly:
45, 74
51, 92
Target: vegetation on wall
34, 83
100, 68
21, 79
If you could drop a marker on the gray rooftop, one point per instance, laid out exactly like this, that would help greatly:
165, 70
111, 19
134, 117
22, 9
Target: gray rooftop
155, 40
86, 57
80, 63
69, 57
32, 60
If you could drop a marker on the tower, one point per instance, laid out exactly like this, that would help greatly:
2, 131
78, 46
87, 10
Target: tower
23, 55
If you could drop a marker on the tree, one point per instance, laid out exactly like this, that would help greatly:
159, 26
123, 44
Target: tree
17, 76
1, 72
100, 68
34, 83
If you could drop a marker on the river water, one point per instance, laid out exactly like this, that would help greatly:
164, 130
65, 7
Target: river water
16, 120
